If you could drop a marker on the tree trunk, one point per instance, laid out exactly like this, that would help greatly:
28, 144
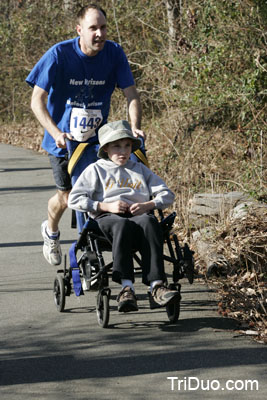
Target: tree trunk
173, 15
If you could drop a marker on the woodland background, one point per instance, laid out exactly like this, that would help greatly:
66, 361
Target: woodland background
200, 68
202, 84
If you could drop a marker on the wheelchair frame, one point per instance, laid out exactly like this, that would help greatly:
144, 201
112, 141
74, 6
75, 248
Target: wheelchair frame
95, 273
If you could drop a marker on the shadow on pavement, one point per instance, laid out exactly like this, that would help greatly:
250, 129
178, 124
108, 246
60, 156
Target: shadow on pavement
68, 367
29, 244
27, 188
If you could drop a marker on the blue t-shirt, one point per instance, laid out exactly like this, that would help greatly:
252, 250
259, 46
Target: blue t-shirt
79, 87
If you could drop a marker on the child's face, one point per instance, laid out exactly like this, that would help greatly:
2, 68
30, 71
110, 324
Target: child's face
119, 151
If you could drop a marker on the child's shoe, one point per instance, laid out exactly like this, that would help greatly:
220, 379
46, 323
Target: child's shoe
127, 300
163, 296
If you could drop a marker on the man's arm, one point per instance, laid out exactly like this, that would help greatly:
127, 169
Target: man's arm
38, 105
135, 110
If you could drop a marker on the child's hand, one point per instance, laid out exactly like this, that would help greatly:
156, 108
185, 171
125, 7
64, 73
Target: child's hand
141, 208
118, 207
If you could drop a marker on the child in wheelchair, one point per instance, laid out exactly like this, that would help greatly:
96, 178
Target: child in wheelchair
117, 193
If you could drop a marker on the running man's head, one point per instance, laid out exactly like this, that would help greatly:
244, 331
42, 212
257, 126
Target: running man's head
92, 29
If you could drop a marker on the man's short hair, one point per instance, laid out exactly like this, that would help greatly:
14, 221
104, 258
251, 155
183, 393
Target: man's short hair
81, 14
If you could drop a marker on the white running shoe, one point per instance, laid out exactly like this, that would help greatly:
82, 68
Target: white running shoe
51, 248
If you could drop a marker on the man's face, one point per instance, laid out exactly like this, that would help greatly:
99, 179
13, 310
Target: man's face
93, 32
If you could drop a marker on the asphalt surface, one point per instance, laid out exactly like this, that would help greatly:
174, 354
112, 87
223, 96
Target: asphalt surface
47, 355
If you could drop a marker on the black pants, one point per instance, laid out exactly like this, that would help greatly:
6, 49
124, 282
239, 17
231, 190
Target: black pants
142, 233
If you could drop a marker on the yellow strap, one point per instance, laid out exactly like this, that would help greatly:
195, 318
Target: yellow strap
75, 156
80, 148
141, 157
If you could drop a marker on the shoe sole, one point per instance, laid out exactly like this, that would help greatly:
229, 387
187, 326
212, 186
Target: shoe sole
49, 261
127, 306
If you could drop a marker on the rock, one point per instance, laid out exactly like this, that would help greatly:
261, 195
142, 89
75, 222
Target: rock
242, 209
205, 208
206, 250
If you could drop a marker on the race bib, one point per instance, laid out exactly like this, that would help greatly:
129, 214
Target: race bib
83, 123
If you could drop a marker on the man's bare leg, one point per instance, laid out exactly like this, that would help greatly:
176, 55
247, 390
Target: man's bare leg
56, 207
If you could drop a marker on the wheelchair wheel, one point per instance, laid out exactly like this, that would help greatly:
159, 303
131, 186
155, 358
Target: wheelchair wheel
173, 310
188, 263
102, 309
59, 293
185, 257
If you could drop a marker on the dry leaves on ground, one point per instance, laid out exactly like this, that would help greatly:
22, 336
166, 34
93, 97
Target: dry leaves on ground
243, 291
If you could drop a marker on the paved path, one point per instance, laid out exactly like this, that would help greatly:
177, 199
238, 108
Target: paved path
46, 355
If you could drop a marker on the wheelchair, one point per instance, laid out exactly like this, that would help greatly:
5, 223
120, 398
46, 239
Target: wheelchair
88, 272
